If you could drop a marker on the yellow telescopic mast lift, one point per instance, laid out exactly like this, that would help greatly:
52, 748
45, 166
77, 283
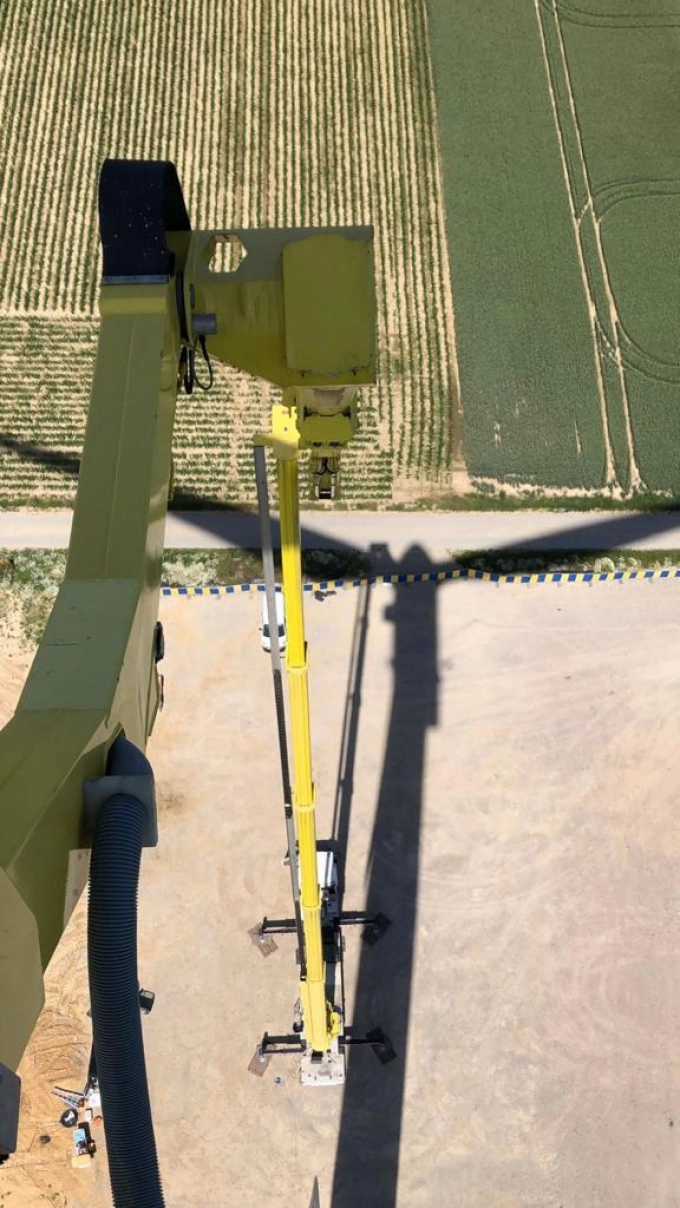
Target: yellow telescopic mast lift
330, 333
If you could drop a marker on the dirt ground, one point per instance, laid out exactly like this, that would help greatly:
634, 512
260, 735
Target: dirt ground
500, 765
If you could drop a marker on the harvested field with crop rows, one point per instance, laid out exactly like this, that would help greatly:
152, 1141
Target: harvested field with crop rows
558, 175
289, 112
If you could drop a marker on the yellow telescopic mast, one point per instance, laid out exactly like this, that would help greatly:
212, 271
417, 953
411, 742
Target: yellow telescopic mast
321, 1022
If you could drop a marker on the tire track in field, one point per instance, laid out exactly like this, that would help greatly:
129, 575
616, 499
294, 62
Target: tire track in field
594, 269
441, 317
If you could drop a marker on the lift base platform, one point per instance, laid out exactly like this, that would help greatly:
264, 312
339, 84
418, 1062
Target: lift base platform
323, 1069
329, 1068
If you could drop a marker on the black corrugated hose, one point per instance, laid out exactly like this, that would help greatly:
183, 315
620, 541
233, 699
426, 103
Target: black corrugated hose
114, 993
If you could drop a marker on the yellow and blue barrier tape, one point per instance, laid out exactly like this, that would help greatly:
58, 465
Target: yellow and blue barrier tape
438, 576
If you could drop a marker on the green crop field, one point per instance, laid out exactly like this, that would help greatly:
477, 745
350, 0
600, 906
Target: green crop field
276, 112
526, 277
561, 159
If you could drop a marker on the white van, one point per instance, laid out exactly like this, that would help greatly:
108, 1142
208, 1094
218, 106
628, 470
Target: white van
280, 622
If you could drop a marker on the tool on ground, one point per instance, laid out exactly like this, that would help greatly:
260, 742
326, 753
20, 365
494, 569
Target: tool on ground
84, 1145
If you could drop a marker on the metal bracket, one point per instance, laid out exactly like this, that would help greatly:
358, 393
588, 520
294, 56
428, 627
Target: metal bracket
268, 1046
96, 792
259, 1062
375, 928
146, 1000
284, 438
290, 1042
128, 771
375, 925
380, 1043
264, 945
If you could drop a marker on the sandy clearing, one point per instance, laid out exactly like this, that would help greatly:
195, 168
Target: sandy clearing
511, 806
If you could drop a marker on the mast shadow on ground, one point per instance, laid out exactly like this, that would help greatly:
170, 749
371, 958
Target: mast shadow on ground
367, 1157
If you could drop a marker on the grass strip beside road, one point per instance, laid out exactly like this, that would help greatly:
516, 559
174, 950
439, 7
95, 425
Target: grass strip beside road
29, 579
